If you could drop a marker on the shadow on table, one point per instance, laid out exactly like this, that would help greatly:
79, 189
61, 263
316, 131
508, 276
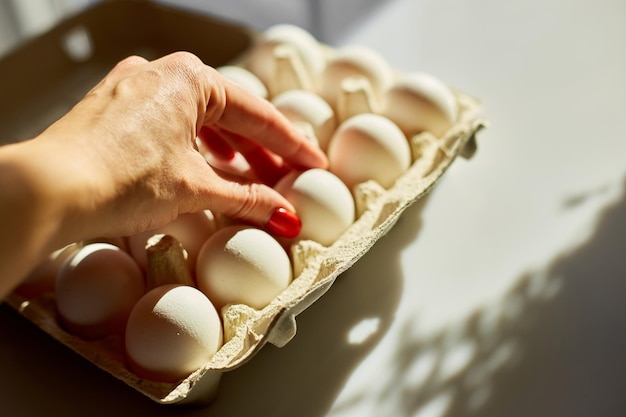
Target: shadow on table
303, 378
552, 346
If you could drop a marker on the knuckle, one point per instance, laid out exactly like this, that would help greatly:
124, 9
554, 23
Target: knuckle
188, 65
129, 63
132, 61
137, 85
189, 72
185, 58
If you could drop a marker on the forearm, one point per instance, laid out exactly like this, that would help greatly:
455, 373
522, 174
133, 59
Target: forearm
33, 216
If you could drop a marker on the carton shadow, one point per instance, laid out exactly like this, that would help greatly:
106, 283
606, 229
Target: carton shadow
553, 345
303, 378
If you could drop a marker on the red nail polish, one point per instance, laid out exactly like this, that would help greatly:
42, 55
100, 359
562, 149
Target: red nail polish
217, 145
284, 223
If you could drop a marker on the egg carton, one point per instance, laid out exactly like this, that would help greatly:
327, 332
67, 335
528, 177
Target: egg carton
315, 269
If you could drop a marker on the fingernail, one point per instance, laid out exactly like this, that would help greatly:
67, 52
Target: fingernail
223, 150
216, 144
284, 223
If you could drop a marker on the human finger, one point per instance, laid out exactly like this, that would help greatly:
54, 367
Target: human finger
216, 144
248, 201
253, 117
267, 167
218, 152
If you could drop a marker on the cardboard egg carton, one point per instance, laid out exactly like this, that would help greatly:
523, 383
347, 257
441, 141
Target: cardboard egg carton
315, 270
315, 267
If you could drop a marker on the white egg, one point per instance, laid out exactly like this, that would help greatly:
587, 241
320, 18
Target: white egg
305, 106
190, 229
419, 102
354, 61
42, 278
324, 204
172, 331
96, 289
366, 147
118, 241
244, 78
243, 265
262, 59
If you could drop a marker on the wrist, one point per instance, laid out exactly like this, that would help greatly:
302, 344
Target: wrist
49, 191
29, 222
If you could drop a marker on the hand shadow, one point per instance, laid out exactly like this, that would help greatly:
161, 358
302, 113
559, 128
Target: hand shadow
40, 376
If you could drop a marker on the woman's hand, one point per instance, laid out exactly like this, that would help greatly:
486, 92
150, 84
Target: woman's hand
125, 159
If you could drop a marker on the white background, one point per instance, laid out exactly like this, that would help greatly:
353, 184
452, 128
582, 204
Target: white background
501, 294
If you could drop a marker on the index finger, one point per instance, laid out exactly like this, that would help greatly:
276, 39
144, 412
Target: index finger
245, 114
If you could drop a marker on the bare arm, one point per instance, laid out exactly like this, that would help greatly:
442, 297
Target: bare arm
124, 160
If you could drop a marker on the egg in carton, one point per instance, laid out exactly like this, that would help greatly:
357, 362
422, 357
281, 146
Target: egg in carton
389, 136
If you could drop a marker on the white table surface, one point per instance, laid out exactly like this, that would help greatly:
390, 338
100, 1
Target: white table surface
501, 294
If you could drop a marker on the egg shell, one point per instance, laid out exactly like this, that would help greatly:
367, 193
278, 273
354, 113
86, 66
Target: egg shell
262, 60
96, 289
42, 279
306, 106
244, 78
419, 102
172, 331
366, 147
324, 204
243, 265
118, 241
190, 229
354, 61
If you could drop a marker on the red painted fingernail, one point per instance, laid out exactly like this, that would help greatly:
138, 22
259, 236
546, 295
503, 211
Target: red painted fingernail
284, 223
216, 144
